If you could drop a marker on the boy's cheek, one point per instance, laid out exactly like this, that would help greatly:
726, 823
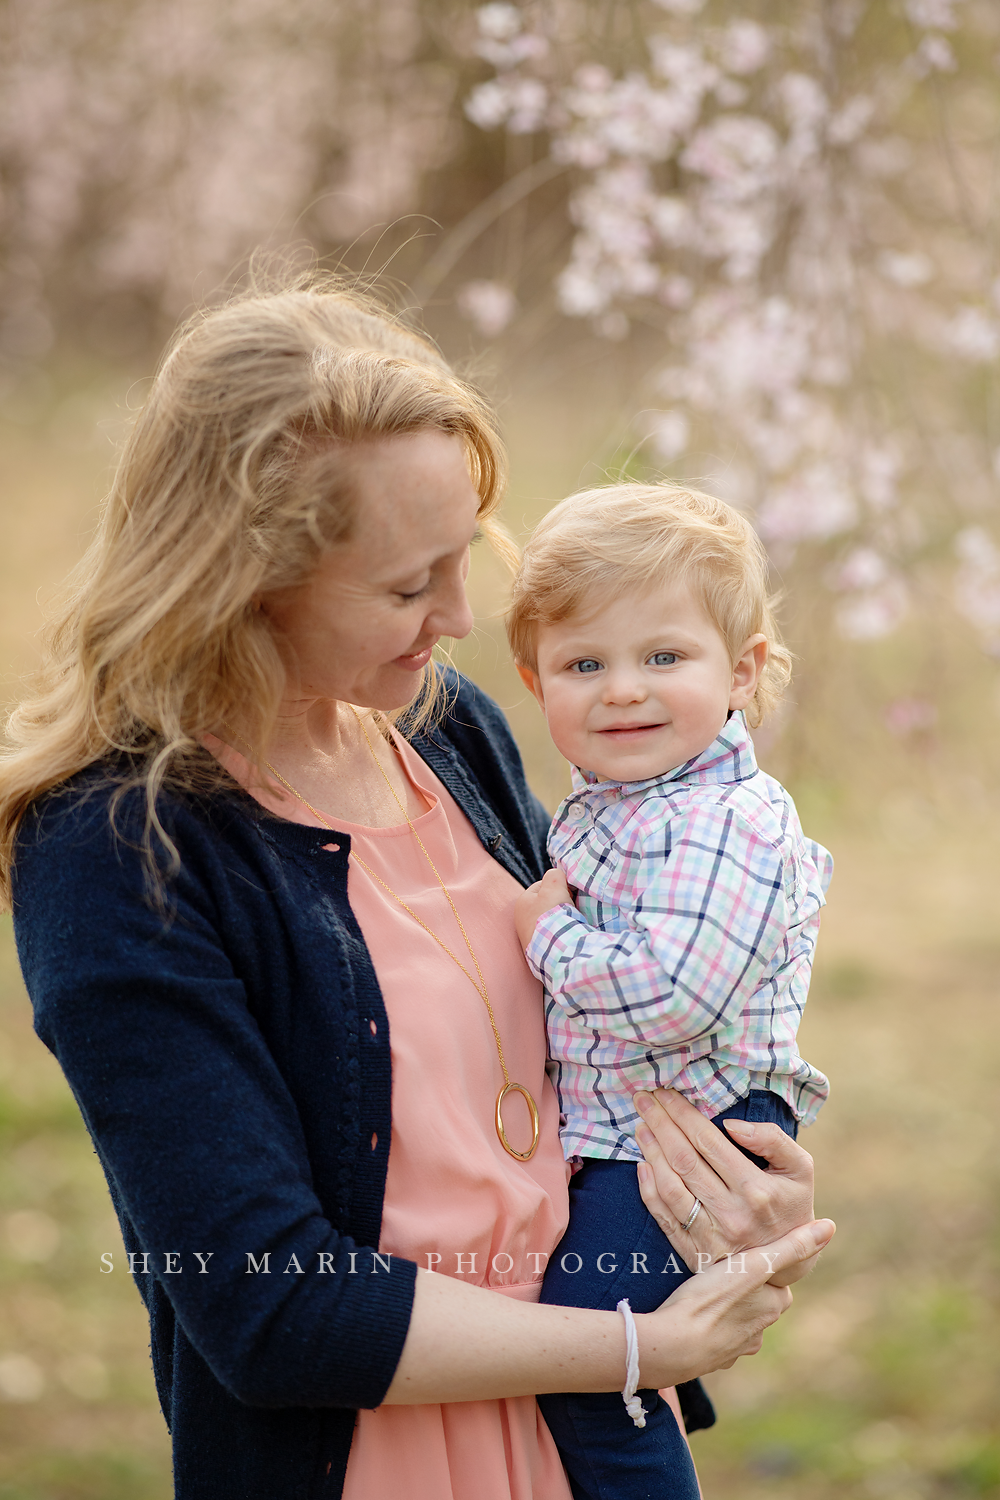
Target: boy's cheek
566, 728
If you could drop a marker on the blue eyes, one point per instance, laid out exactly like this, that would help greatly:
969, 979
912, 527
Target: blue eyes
589, 664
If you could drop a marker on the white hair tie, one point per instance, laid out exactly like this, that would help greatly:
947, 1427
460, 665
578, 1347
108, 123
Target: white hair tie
633, 1405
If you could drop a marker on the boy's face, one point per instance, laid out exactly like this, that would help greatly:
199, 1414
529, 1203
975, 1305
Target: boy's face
640, 685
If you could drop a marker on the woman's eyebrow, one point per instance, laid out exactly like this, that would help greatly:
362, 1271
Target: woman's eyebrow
427, 564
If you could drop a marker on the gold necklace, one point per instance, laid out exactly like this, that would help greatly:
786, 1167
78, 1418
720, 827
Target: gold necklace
509, 1087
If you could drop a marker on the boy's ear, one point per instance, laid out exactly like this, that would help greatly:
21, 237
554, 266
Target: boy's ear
746, 672
532, 682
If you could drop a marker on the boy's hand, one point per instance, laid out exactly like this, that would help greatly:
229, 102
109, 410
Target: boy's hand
546, 893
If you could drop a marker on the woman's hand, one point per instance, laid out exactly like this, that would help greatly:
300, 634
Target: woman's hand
716, 1317
546, 893
688, 1157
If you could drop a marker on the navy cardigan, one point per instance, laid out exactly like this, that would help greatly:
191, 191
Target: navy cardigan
231, 1062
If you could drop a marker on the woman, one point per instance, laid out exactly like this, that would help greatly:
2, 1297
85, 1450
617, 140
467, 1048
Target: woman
231, 875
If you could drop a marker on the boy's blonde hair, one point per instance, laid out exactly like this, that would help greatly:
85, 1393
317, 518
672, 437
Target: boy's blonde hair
626, 538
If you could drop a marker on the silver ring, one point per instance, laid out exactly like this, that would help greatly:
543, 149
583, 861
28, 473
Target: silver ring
692, 1215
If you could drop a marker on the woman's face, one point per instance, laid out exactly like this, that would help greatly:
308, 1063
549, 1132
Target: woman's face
361, 626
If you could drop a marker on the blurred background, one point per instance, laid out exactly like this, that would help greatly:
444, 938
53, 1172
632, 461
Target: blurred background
752, 245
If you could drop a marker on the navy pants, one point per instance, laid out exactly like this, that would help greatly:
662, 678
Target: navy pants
612, 1249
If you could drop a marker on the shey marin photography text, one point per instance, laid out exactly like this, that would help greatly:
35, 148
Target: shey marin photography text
503, 1270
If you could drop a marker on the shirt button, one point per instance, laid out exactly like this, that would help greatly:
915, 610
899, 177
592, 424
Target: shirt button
578, 812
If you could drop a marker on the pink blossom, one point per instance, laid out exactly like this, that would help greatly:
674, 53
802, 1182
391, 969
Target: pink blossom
681, 7
489, 104
974, 335
906, 716
669, 434
763, 347
519, 103
851, 120
505, 55
804, 101
676, 291
815, 505
868, 616
881, 465
489, 305
906, 268
593, 78
499, 22
671, 218
977, 585
735, 152
935, 54
583, 288
932, 14
744, 47
864, 568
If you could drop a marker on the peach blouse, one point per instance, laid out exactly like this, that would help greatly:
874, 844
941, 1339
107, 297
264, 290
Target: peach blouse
455, 1201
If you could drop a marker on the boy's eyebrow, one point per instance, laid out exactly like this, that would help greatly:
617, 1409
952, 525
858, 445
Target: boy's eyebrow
578, 639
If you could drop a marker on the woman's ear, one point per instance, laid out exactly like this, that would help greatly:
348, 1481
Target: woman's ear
532, 682
746, 673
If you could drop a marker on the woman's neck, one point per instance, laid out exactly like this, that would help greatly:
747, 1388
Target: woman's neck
307, 727
334, 756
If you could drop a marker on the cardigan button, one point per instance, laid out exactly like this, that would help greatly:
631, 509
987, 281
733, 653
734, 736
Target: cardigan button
496, 841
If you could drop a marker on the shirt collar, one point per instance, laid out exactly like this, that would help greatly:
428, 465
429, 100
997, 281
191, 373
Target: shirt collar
730, 757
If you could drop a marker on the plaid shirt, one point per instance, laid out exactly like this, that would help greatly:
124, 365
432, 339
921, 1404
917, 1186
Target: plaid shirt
686, 961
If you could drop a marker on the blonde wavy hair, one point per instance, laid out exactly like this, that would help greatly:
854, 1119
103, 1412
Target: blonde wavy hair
235, 475
626, 538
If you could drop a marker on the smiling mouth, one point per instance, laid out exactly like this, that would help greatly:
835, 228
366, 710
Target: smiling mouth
414, 662
630, 731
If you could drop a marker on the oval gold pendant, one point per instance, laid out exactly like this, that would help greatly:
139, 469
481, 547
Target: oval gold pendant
518, 1088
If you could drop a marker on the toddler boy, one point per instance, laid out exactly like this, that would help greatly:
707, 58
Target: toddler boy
641, 623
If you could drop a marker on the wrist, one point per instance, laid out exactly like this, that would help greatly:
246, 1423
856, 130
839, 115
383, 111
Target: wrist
664, 1359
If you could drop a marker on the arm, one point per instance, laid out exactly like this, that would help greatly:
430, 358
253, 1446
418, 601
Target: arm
194, 1123
704, 930
467, 1344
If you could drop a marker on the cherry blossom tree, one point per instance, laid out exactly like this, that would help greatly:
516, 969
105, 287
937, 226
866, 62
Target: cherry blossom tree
789, 209
147, 146
800, 201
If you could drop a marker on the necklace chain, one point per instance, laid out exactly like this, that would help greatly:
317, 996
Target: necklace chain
480, 988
